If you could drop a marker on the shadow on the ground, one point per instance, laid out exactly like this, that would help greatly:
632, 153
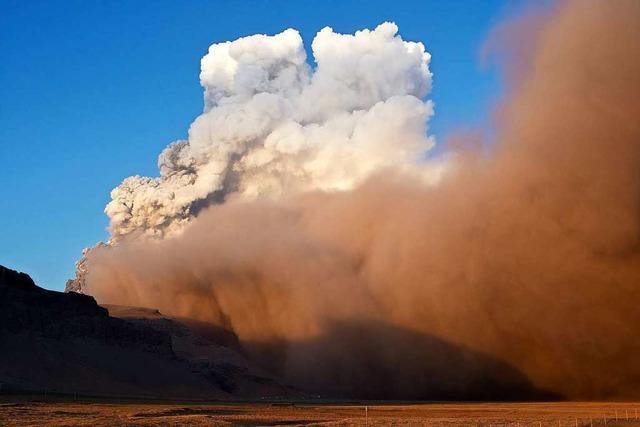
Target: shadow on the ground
372, 360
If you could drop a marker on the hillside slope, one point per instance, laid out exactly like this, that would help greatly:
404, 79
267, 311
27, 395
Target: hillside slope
66, 343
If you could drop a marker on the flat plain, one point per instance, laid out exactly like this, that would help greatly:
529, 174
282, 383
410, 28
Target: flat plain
37, 411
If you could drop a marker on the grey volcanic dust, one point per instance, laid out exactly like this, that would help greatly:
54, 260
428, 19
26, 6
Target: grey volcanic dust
519, 263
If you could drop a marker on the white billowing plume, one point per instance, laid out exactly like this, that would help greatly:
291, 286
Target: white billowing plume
274, 125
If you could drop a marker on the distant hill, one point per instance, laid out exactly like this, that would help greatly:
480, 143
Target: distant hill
67, 343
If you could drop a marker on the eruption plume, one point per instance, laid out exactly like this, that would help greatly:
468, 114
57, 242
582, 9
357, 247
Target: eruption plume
273, 126
301, 215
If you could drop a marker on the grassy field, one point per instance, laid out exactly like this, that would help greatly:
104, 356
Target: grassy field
30, 411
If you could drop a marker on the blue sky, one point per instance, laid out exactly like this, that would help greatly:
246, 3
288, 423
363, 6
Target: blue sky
93, 90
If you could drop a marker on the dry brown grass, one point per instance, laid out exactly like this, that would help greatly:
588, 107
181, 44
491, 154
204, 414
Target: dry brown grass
25, 411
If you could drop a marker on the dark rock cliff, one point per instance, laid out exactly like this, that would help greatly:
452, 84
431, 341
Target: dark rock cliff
67, 343
25, 307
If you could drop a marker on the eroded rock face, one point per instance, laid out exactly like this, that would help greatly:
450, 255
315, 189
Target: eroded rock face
11, 279
67, 343
27, 308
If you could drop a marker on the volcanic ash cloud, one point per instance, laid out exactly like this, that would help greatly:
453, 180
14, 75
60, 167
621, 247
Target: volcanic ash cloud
300, 215
272, 125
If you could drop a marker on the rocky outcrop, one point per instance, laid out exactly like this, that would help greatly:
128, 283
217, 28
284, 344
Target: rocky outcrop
67, 343
27, 308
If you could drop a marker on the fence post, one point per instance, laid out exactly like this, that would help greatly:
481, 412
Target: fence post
366, 415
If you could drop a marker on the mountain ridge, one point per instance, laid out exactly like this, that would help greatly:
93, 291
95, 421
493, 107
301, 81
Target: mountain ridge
66, 343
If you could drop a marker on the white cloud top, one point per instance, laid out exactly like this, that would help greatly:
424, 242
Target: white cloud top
272, 125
